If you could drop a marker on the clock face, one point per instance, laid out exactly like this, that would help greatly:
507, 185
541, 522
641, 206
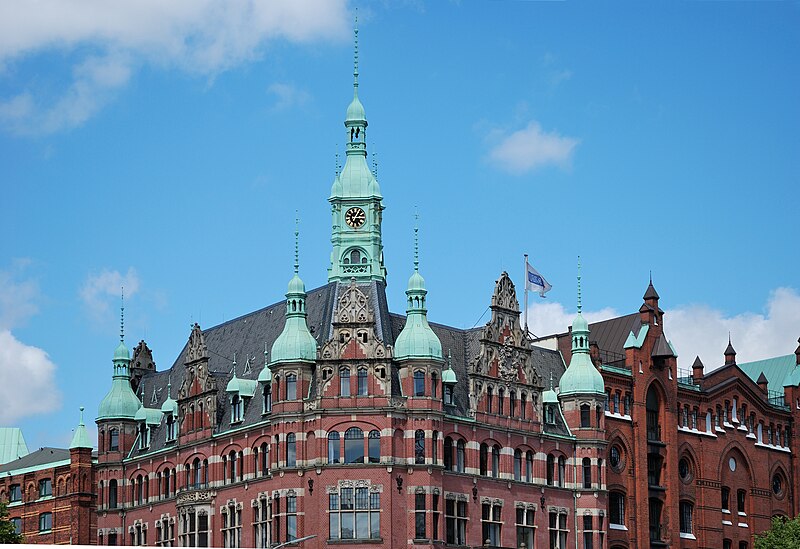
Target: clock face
355, 217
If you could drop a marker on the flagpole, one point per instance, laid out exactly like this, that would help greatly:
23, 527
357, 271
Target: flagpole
525, 270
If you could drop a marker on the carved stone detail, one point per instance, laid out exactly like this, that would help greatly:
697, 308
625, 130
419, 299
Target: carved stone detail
193, 497
196, 348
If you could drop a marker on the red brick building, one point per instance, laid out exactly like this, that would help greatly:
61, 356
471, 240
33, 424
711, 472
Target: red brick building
50, 493
358, 425
695, 459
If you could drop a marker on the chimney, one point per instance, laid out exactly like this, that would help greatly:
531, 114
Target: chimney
797, 353
594, 353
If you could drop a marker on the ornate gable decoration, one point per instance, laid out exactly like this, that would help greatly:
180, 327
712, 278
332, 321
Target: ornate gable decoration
505, 351
197, 349
354, 336
143, 357
353, 306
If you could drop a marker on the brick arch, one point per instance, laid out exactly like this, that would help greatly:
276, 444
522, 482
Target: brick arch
742, 459
235, 446
164, 466
259, 440
344, 425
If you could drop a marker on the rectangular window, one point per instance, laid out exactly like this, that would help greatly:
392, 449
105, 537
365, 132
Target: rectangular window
354, 514
585, 417
435, 517
490, 522
14, 493
113, 445
740, 498
588, 534
456, 522
16, 522
726, 495
45, 487
291, 387
448, 394
616, 508
291, 518
525, 527
419, 517
262, 519
45, 522
686, 512
362, 382
344, 382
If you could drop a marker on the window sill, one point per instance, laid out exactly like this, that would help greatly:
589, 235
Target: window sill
374, 541
43, 532
14, 503
742, 525
618, 527
687, 536
44, 498
727, 523
421, 541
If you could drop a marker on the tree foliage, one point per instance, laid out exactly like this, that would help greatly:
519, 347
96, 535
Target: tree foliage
784, 534
7, 531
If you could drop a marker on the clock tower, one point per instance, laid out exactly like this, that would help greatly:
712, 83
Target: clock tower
356, 204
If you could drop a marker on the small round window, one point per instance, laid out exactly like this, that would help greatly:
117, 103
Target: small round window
732, 464
684, 469
615, 458
777, 485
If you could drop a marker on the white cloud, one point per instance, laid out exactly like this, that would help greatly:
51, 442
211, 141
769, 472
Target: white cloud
700, 330
105, 287
202, 37
38, 393
287, 96
530, 148
553, 318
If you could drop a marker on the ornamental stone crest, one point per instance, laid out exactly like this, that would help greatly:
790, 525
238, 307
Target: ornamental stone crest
196, 348
352, 306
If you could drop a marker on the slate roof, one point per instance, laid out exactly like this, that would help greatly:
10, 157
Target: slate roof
42, 456
247, 335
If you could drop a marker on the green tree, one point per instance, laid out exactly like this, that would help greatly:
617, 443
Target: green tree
784, 534
8, 533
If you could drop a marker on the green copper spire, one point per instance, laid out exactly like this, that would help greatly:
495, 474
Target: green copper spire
356, 202
81, 437
295, 344
120, 402
581, 376
265, 376
417, 340
449, 376
170, 405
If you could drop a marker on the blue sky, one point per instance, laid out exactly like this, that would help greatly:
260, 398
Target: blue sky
167, 148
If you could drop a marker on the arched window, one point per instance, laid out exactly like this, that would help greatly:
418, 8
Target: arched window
354, 445
197, 473
264, 459
374, 446
512, 403
419, 447
484, 459
237, 409
434, 385
139, 490
291, 387
489, 398
528, 466
517, 464
501, 398
233, 466
419, 383
448, 453
562, 470
171, 431
495, 461
333, 447
355, 257
362, 382
523, 406
291, 448
461, 450
551, 469
344, 382
166, 489
587, 473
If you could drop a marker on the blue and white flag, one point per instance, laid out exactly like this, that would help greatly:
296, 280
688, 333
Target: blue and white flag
535, 281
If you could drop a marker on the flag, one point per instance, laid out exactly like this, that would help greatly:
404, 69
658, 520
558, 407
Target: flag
534, 281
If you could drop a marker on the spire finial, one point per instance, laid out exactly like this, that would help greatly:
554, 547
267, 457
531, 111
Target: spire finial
266, 351
169, 386
122, 314
374, 164
296, 242
729, 337
579, 284
651, 277
449, 360
551, 380
336, 170
81, 423
416, 241
234, 364
355, 57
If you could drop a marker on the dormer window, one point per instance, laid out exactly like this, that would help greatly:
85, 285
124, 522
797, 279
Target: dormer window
448, 394
171, 428
144, 435
267, 398
550, 414
237, 409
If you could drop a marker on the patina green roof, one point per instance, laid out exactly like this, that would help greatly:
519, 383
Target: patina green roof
170, 405
242, 387
417, 340
449, 375
81, 437
120, 402
781, 371
12, 444
151, 416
